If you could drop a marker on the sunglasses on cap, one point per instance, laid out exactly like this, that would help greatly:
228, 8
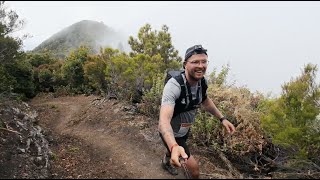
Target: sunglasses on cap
196, 49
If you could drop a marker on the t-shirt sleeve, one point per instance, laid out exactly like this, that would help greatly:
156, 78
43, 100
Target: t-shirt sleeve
171, 92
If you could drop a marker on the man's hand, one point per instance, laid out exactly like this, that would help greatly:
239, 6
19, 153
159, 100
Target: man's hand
177, 151
229, 126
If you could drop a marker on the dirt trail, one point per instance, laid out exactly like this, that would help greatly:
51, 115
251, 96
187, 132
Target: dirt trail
97, 138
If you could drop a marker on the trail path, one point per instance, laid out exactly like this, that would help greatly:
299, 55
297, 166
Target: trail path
98, 138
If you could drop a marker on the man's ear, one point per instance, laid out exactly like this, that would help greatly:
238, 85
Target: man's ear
184, 64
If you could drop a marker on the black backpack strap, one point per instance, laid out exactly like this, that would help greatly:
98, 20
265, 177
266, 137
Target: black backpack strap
204, 86
184, 99
184, 88
187, 89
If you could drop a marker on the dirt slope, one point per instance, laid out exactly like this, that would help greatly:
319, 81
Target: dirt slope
92, 137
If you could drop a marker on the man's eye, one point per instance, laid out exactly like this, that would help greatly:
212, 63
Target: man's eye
205, 62
197, 62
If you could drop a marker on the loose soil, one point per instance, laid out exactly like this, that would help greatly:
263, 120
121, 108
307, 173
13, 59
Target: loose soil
93, 137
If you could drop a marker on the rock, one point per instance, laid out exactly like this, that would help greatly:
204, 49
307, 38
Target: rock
20, 150
26, 153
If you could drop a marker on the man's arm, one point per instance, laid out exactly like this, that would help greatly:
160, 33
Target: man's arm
209, 106
166, 113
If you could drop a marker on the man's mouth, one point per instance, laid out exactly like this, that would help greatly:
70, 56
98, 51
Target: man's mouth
200, 72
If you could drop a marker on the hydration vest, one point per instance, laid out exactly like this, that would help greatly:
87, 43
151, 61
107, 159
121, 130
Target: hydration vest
185, 101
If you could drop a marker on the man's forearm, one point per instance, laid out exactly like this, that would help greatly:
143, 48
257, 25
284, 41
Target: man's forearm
165, 128
211, 108
167, 134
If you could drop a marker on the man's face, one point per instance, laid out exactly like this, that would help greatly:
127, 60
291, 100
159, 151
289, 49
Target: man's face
196, 66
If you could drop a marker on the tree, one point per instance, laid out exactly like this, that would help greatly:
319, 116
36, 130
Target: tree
23, 74
154, 43
15, 72
94, 73
37, 59
46, 70
9, 46
10, 21
117, 65
290, 119
73, 68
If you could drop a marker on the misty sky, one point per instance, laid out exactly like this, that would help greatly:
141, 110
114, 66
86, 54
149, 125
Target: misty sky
265, 43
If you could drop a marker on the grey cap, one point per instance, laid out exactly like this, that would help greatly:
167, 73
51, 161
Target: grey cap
196, 49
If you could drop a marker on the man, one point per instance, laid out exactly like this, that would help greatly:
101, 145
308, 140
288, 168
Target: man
175, 121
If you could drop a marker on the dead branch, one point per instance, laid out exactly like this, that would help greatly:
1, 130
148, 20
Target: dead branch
232, 170
10, 130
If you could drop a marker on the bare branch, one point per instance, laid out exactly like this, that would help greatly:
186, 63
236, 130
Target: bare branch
10, 130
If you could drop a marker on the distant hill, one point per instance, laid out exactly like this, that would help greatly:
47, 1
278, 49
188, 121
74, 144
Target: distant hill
86, 32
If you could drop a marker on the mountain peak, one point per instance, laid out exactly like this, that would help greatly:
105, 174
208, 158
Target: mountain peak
85, 32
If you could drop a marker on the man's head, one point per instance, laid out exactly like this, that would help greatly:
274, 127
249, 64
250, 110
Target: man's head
195, 62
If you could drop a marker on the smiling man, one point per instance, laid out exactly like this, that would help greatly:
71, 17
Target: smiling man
182, 96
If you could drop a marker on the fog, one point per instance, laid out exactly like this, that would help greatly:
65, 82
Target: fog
265, 43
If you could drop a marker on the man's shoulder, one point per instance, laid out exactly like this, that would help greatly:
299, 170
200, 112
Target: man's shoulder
173, 81
172, 86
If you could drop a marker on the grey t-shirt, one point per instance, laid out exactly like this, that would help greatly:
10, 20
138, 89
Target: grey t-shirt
182, 122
